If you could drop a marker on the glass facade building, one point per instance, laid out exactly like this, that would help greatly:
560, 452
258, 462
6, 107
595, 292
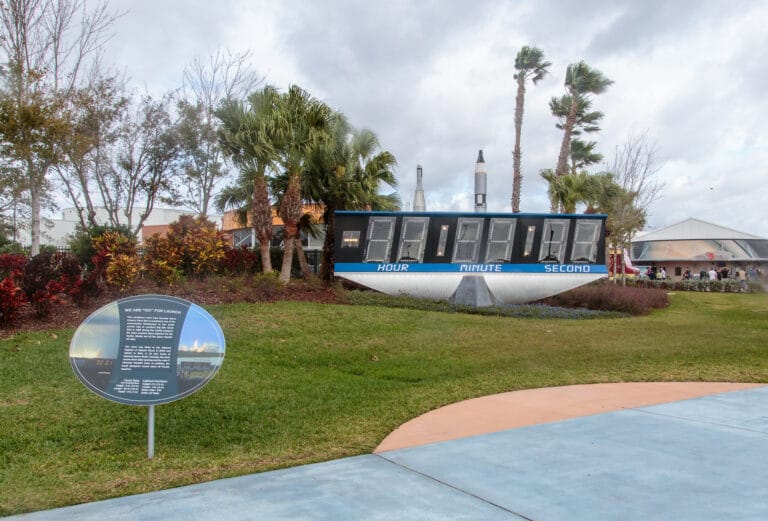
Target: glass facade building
698, 246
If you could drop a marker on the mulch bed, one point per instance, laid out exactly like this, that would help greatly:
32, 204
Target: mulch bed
65, 314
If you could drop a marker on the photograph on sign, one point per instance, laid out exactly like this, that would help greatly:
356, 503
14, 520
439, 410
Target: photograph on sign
147, 350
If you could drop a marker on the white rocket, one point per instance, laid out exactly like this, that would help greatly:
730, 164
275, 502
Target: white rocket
481, 184
419, 203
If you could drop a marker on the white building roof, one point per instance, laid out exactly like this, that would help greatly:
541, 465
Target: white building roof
693, 229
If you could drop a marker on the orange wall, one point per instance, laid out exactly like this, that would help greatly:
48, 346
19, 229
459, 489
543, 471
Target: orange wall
230, 222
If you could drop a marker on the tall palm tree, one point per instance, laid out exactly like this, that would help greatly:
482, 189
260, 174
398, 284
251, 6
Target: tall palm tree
580, 82
587, 120
299, 124
245, 136
530, 65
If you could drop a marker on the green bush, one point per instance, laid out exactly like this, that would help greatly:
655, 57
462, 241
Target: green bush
722, 286
81, 243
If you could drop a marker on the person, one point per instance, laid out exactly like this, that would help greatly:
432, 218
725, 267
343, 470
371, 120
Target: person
663, 273
703, 274
687, 273
741, 274
712, 273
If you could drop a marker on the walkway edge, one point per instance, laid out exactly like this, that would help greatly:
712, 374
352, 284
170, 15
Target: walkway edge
515, 409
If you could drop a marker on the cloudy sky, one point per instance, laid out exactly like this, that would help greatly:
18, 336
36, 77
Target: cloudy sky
434, 80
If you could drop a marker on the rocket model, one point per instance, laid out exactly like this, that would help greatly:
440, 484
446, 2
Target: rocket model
419, 204
481, 184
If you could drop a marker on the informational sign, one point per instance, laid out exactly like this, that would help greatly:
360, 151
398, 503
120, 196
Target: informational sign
147, 350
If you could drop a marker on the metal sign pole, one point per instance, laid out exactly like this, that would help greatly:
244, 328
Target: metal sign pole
151, 433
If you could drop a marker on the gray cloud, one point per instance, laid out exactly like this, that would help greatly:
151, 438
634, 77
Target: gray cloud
434, 81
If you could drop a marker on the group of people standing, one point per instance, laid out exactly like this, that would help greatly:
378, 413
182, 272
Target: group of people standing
740, 273
653, 274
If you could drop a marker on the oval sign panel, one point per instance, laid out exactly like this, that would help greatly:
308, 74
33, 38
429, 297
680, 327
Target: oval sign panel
147, 350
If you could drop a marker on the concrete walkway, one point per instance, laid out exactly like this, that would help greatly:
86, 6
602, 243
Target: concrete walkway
702, 458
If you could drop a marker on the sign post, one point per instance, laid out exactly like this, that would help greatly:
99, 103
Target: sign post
151, 433
147, 350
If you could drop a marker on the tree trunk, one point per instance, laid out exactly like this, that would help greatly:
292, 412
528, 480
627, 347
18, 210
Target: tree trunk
261, 218
326, 267
288, 244
266, 257
565, 146
517, 177
290, 212
35, 207
303, 264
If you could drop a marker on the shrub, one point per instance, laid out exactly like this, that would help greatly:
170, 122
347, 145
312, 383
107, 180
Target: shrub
111, 244
12, 264
162, 261
11, 247
239, 261
41, 282
724, 285
11, 299
123, 270
81, 244
162, 273
192, 245
203, 251
85, 289
611, 297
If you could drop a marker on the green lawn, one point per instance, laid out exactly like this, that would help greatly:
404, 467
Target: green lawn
307, 382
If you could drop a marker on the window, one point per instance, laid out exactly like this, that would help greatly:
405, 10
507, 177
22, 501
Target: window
529, 241
467, 244
350, 239
442, 240
380, 232
412, 238
585, 241
243, 238
553, 240
500, 237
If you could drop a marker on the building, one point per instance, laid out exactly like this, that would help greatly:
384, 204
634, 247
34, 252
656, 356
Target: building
243, 235
698, 245
57, 232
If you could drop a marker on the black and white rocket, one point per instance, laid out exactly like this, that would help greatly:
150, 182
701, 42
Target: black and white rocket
419, 203
481, 184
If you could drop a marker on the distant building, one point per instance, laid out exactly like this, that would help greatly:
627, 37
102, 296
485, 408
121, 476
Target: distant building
57, 232
698, 245
243, 235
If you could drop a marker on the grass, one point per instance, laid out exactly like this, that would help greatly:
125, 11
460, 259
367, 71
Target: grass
306, 382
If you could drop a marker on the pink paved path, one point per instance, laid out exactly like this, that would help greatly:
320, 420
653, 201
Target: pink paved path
499, 412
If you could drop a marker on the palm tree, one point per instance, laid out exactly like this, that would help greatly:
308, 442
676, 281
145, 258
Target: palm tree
580, 82
583, 154
244, 135
347, 172
586, 120
530, 65
596, 191
299, 124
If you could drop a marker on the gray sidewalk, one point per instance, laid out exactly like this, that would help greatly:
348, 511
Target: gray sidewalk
699, 459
